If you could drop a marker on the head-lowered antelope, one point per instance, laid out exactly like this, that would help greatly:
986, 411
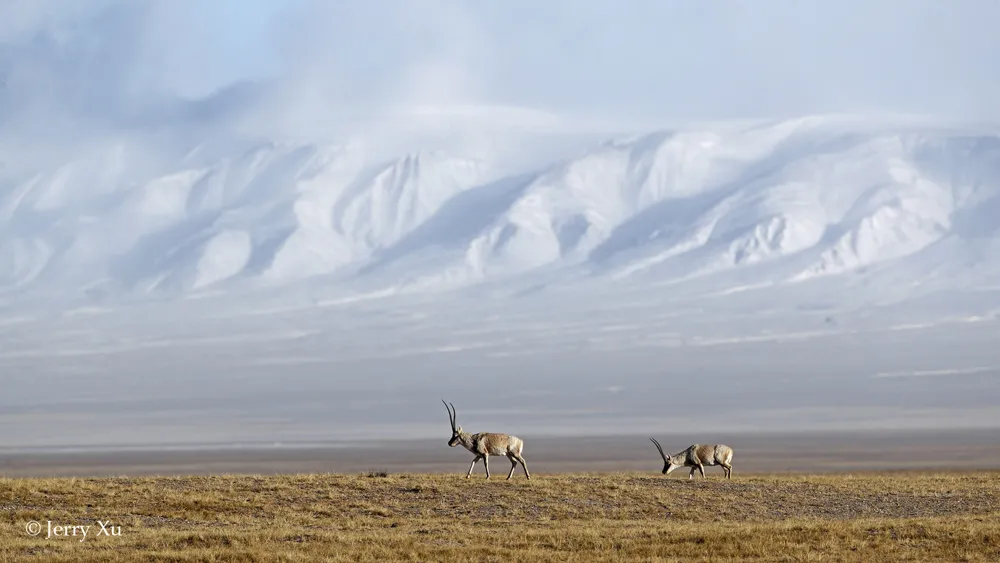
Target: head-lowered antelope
696, 457
485, 444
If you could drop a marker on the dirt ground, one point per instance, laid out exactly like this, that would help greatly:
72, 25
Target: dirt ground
614, 517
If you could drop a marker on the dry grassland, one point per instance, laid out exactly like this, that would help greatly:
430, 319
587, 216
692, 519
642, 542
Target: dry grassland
587, 517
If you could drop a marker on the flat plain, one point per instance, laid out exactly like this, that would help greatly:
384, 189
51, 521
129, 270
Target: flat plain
893, 496
805, 452
889, 516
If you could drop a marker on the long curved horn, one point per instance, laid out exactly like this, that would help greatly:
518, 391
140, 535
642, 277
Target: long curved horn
659, 448
451, 417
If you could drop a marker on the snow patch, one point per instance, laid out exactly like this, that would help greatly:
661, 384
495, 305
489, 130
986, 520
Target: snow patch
762, 203
224, 256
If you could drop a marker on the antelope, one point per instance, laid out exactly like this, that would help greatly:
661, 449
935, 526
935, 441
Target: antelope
696, 457
485, 444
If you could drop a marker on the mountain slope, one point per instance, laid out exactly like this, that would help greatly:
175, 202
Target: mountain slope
278, 213
808, 198
758, 205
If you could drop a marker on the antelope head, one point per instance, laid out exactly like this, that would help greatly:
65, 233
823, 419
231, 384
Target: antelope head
668, 464
456, 431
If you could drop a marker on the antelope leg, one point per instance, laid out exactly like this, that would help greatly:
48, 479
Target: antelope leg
471, 467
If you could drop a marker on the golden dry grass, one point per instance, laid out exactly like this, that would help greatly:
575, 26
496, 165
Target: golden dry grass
588, 517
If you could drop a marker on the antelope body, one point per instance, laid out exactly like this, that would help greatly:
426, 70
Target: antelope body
485, 444
696, 457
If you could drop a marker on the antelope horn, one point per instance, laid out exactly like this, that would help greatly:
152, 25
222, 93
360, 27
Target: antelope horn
659, 448
451, 417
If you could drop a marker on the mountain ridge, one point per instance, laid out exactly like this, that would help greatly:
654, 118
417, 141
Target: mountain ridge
794, 199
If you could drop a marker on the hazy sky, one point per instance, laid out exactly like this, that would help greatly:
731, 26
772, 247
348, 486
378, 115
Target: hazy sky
659, 59
72, 70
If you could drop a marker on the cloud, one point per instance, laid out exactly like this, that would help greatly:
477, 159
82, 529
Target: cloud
103, 62
21, 21
351, 65
322, 66
316, 66
936, 372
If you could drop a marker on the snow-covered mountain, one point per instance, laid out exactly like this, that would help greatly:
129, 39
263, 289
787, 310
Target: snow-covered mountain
732, 205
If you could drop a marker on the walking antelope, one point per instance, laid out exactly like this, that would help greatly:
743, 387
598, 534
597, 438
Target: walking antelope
485, 444
696, 457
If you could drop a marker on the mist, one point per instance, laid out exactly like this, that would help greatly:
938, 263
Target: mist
320, 66
304, 221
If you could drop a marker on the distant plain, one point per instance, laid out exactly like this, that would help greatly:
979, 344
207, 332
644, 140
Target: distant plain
816, 452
